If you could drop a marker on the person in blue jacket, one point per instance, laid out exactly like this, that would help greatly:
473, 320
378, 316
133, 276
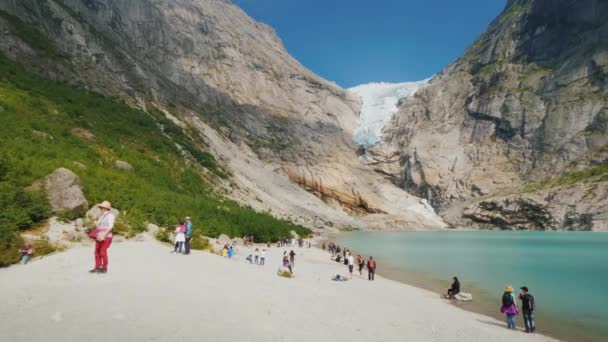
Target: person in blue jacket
188, 234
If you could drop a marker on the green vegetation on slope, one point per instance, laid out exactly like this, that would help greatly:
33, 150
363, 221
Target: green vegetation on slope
597, 173
37, 121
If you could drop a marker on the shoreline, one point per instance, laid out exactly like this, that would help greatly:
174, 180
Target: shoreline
483, 302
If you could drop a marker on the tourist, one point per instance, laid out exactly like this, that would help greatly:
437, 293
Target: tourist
225, 251
323, 245
346, 253
527, 309
455, 289
292, 258
286, 262
103, 237
351, 264
263, 257
26, 252
188, 234
360, 263
256, 254
230, 252
371, 268
180, 238
509, 307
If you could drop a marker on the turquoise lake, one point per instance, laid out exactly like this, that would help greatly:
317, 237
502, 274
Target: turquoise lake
566, 272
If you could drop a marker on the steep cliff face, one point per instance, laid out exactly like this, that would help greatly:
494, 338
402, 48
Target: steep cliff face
226, 79
526, 104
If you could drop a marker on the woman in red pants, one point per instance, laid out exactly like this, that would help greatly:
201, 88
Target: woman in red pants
104, 237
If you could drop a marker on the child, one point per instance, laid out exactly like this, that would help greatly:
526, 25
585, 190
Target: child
180, 237
26, 252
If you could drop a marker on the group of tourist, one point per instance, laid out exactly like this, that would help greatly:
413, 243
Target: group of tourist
345, 256
258, 257
183, 236
511, 309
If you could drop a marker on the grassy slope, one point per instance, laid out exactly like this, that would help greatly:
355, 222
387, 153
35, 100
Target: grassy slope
36, 122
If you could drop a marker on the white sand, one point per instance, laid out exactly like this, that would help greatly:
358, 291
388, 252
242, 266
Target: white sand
152, 295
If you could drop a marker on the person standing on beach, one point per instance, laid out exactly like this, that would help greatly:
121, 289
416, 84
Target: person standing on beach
263, 257
371, 268
180, 238
527, 309
188, 235
360, 263
351, 264
509, 307
256, 257
292, 258
103, 237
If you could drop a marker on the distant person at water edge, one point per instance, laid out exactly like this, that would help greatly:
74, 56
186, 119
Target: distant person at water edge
188, 234
371, 268
103, 237
509, 307
180, 238
360, 263
351, 264
527, 309
26, 252
455, 289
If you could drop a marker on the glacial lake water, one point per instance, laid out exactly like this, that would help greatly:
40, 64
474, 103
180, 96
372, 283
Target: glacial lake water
567, 272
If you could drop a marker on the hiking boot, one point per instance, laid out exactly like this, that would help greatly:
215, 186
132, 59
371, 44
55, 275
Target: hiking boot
95, 270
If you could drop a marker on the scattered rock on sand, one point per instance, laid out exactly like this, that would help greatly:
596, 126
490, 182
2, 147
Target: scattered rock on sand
123, 165
223, 239
64, 191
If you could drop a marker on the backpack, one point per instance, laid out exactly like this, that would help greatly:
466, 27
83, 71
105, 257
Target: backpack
507, 299
531, 302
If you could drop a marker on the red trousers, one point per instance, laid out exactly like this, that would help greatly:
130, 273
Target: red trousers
101, 253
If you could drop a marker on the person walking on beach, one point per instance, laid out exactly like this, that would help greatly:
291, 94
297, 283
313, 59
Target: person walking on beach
527, 309
454, 289
103, 237
371, 268
509, 307
360, 263
188, 235
292, 258
263, 257
256, 257
351, 264
230, 252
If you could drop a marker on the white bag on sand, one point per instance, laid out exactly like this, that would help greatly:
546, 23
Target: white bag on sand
464, 297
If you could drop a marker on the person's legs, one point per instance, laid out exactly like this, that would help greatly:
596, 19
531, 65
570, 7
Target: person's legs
103, 253
97, 254
25, 259
262, 261
511, 321
187, 245
529, 321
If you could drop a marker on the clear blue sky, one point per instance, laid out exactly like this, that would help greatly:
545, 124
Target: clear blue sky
360, 41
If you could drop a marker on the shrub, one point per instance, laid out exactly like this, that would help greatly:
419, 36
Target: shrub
285, 274
163, 235
200, 243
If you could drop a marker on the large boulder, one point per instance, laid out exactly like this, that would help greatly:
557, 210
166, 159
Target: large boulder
64, 191
224, 239
123, 165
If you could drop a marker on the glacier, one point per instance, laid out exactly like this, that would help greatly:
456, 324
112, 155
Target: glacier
379, 103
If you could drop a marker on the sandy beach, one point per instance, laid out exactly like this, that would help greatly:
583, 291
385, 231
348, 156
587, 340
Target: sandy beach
152, 295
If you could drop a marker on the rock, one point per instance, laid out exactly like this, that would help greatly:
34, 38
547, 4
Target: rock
94, 213
42, 134
64, 191
152, 228
83, 133
238, 241
464, 297
224, 239
80, 165
123, 165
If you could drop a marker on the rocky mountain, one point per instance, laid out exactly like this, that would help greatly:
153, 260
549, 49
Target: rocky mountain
284, 134
513, 134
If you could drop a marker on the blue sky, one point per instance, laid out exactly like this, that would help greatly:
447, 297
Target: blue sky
360, 41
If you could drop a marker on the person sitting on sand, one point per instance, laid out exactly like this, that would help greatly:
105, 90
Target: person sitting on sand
26, 252
371, 268
286, 263
455, 289
338, 258
249, 258
509, 307
360, 263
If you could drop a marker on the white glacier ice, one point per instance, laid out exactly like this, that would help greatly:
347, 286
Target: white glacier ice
379, 103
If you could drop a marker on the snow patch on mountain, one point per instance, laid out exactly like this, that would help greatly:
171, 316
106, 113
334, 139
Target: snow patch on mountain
379, 103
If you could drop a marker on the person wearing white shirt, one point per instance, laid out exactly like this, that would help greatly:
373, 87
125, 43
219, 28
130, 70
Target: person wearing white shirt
104, 237
263, 257
351, 264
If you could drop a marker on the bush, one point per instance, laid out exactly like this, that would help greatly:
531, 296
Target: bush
163, 235
200, 243
44, 247
10, 243
285, 274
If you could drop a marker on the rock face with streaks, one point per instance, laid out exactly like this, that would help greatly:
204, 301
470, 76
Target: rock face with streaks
526, 106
